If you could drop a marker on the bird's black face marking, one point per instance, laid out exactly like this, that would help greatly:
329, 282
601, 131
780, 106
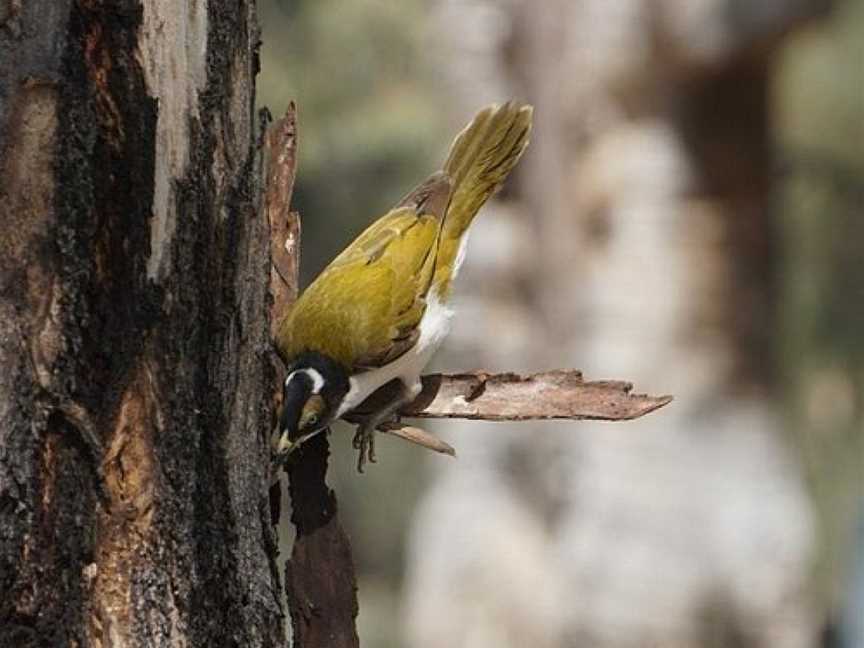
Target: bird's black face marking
295, 393
312, 393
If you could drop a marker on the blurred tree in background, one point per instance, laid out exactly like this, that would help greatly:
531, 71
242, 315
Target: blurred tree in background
819, 100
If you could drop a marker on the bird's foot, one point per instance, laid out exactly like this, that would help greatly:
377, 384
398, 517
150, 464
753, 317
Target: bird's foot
364, 442
364, 439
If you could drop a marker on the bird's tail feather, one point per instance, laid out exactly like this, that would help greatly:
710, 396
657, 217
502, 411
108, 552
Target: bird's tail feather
480, 159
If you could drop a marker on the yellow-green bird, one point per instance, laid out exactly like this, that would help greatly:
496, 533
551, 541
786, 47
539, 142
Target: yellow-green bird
379, 311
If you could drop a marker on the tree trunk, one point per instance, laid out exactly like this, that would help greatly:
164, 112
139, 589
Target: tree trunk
136, 379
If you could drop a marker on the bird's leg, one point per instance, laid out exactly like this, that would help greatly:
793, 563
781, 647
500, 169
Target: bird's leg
364, 439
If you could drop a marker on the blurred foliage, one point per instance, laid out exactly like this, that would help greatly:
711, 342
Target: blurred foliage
369, 122
820, 128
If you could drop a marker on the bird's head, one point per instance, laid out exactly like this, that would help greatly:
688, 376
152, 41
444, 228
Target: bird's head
311, 396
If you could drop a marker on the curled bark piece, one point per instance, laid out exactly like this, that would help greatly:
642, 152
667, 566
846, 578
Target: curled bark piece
419, 437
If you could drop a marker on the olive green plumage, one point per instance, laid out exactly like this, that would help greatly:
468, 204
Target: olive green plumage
365, 308
480, 159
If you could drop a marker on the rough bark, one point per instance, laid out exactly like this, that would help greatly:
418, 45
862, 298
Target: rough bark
320, 585
281, 160
319, 577
135, 382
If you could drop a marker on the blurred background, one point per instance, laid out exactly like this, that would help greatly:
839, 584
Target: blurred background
689, 216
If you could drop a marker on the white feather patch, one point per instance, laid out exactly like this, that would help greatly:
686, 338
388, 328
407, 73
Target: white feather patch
314, 374
433, 329
460, 254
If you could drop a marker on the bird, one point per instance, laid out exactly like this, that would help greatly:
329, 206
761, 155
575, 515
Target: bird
379, 311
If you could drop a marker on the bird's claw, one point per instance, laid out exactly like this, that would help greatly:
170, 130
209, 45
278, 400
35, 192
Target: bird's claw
364, 442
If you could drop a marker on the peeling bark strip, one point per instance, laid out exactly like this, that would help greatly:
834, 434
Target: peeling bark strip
134, 321
319, 577
281, 169
561, 394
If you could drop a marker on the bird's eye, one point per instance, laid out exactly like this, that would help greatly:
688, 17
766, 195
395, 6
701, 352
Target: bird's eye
312, 420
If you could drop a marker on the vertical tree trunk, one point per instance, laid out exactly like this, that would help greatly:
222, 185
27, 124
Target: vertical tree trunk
135, 377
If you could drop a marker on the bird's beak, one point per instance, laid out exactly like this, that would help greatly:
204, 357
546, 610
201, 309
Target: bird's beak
284, 443
285, 446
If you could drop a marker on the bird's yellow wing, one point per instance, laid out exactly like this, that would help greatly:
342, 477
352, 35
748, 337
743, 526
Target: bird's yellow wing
365, 308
